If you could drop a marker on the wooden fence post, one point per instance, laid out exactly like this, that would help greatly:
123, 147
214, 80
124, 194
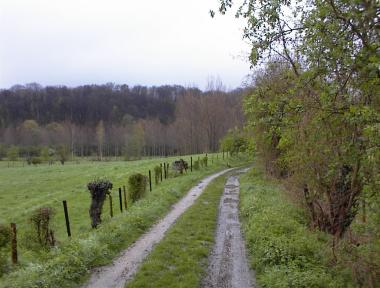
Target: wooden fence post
167, 170
67, 219
111, 208
14, 243
161, 171
150, 181
125, 198
120, 200
191, 164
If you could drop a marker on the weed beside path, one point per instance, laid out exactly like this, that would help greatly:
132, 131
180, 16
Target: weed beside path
281, 248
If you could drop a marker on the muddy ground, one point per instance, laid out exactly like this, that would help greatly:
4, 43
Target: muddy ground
228, 266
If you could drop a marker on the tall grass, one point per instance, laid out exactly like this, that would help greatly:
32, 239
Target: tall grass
282, 249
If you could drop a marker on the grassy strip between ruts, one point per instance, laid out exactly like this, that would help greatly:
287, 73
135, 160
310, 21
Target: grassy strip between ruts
180, 259
68, 264
283, 251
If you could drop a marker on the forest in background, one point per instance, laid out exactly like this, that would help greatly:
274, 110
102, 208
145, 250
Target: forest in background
114, 120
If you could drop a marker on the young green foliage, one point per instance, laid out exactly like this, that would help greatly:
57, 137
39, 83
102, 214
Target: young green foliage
42, 233
196, 165
5, 236
282, 250
137, 186
157, 174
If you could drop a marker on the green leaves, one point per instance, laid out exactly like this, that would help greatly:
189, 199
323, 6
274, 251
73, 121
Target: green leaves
314, 115
283, 252
314, 111
236, 141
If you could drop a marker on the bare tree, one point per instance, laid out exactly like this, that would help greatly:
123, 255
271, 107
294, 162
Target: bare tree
100, 135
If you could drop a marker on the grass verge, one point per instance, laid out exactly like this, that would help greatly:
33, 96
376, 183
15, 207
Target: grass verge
68, 264
180, 259
282, 250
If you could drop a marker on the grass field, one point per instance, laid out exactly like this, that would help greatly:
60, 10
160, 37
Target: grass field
23, 189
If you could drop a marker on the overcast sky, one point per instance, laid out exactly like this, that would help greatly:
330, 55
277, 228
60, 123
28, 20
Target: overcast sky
152, 42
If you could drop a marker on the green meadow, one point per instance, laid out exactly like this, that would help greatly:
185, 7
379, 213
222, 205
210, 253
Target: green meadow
24, 189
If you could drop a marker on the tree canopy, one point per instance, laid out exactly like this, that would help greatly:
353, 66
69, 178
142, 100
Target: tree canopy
315, 104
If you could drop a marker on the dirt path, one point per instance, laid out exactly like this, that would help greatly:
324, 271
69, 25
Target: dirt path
228, 266
125, 266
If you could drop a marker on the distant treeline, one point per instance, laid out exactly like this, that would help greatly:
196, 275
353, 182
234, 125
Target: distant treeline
87, 105
115, 120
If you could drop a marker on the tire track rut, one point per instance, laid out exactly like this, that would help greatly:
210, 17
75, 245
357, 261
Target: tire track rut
228, 265
123, 268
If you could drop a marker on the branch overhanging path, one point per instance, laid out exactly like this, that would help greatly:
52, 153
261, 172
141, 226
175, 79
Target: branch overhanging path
123, 268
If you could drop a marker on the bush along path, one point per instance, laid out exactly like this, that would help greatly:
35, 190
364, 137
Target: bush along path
228, 265
125, 266
281, 248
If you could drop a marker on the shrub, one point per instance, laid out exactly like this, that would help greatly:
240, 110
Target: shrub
204, 161
283, 251
5, 236
3, 262
3, 151
62, 154
291, 276
136, 186
236, 141
40, 219
196, 165
99, 188
13, 153
157, 174
47, 154
36, 160
180, 165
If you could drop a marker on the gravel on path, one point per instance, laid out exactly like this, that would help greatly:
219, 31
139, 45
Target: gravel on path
122, 269
228, 265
